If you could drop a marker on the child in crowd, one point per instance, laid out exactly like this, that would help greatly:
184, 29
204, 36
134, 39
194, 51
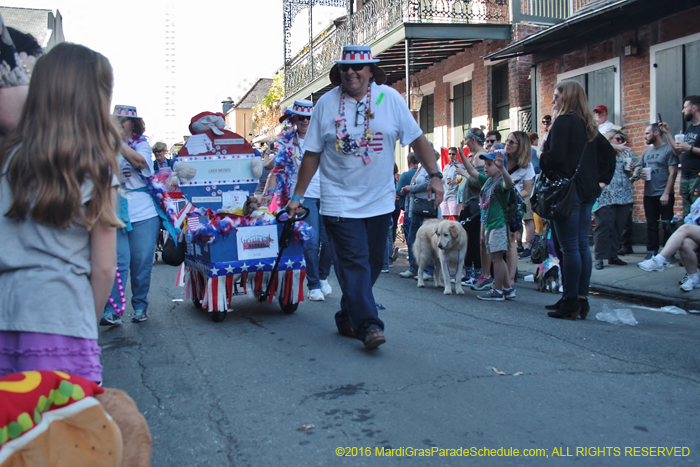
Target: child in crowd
58, 217
495, 185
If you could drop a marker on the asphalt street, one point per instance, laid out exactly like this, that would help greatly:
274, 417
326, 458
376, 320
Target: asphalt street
263, 388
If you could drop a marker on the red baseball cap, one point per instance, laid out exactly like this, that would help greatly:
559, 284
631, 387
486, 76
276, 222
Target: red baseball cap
601, 108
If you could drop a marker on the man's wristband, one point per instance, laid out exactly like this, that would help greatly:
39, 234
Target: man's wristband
270, 192
298, 199
436, 174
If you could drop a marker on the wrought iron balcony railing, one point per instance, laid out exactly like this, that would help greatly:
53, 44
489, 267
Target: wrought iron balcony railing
379, 17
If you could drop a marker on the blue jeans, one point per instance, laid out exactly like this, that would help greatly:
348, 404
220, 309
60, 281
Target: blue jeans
572, 235
389, 245
358, 252
135, 250
318, 251
416, 222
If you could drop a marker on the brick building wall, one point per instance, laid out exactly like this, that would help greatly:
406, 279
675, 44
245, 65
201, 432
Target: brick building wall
481, 88
634, 79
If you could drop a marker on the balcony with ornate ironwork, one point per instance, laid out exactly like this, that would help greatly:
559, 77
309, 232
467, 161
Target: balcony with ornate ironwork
433, 29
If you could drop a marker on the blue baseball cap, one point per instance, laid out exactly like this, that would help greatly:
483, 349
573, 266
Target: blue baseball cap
492, 156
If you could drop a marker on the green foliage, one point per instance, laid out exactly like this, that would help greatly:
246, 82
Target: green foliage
266, 114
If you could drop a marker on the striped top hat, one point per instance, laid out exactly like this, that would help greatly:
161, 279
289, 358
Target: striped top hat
353, 54
125, 111
356, 54
303, 107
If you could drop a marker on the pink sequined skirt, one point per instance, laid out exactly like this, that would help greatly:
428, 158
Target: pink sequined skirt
26, 351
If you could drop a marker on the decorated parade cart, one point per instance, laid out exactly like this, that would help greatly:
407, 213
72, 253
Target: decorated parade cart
231, 245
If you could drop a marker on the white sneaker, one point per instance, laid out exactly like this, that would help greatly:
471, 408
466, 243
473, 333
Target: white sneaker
315, 295
326, 287
406, 274
650, 265
690, 284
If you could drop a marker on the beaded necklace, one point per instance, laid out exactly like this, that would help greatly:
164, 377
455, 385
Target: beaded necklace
343, 143
117, 310
486, 196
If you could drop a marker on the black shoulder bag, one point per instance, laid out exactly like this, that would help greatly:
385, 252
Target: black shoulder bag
553, 199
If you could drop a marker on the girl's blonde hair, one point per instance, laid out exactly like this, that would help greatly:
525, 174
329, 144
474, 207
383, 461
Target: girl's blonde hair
523, 155
65, 136
574, 101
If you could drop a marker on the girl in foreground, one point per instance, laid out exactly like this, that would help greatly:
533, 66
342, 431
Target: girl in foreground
57, 216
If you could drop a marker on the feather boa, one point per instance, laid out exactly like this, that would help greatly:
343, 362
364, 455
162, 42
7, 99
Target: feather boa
160, 185
285, 167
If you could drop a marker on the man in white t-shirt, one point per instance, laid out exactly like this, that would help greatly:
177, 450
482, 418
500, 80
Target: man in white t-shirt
351, 137
601, 114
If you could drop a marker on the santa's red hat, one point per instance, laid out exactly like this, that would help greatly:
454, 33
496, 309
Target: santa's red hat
208, 121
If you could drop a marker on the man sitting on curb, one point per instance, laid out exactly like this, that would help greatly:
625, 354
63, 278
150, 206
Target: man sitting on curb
685, 240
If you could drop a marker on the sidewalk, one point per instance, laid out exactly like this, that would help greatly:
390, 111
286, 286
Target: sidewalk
631, 283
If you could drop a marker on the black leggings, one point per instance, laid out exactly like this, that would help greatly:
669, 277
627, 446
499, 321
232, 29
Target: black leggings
473, 228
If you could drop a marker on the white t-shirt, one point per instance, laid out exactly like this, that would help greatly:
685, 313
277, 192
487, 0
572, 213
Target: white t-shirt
349, 187
605, 127
522, 175
140, 203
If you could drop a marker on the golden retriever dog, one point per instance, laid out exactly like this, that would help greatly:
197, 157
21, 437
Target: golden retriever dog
444, 243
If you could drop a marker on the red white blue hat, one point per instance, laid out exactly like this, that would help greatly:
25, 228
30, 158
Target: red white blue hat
356, 54
303, 107
125, 111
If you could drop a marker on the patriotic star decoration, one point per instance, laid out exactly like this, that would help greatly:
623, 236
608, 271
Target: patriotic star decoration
303, 263
229, 269
214, 271
289, 264
260, 266
244, 268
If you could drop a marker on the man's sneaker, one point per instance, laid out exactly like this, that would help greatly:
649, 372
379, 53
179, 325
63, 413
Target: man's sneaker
509, 293
326, 287
385, 270
110, 319
685, 277
690, 284
492, 295
374, 338
426, 277
407, 274
483, 283
524, 254
650, 265
139, 316
315, 295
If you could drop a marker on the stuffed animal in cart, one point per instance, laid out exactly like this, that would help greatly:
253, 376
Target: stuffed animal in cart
216, 123
51, 418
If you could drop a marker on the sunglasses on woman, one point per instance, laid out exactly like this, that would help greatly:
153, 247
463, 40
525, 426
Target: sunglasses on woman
303, 117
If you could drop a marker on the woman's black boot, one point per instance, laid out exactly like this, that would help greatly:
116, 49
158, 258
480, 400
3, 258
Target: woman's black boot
569, 309
585, 307
555, 306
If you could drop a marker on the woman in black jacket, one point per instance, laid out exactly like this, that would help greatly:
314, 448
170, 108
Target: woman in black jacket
574, 126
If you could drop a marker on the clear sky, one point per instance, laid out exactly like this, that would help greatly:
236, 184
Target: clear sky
222, 48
